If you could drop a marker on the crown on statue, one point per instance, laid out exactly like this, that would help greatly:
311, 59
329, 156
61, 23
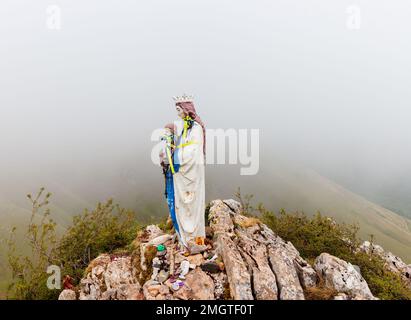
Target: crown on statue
183, 98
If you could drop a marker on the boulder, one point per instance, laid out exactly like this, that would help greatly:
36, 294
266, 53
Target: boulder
255, 254
151, 289
67, 294
234, 206
287, 278
220, 218
307, 275
197, 286
342, 276
196, 259
258, 263
109, 279
160, 239
392, 262
239, 278
341, 296
151, 232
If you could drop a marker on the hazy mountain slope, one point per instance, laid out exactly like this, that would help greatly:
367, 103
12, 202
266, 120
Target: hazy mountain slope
388, 189
299, 189
277, 186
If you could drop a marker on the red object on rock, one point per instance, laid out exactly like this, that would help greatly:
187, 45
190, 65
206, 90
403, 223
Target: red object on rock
67, 283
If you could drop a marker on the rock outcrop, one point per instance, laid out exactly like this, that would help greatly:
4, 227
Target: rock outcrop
259, 264
392, 262
342, 277
243, 260
67, 294
110, 278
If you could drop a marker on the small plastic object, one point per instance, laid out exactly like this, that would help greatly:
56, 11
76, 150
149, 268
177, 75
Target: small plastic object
199, 241
161, 247
213, 258
177, 285
156, 263
184, 268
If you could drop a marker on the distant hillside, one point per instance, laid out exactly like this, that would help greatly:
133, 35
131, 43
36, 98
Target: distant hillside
302, 189
276, 186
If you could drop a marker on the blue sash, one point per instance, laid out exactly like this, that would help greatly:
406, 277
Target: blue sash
170, 198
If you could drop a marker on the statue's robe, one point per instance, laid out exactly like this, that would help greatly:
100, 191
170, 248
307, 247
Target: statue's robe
189, 184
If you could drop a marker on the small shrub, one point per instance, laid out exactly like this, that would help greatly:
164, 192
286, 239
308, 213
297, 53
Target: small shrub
29, 277
166, 225
106, 229
103, 230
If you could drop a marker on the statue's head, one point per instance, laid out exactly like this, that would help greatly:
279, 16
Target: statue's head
185, 106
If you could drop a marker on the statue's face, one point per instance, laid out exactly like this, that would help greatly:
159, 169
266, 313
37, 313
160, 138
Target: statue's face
180, 112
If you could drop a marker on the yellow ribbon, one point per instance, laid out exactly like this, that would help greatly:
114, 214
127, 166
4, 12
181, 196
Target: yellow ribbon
170, 160
186, 119
182, 145
189, 143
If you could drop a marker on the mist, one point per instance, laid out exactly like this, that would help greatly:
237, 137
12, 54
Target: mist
78, 105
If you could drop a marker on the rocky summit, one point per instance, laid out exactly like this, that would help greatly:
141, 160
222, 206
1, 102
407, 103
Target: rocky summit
242, 259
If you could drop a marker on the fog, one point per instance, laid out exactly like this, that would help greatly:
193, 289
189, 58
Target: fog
78, 105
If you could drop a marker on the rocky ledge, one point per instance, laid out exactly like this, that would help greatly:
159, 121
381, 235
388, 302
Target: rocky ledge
242, 259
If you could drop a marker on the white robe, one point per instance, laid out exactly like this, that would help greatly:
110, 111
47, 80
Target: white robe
189, 186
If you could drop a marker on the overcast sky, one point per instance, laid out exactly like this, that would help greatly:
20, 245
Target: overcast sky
89, 95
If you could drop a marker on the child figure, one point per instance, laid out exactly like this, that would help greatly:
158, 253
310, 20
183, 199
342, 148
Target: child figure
167, 163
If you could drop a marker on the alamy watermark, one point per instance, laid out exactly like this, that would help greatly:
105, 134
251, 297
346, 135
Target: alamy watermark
54, 281
53, 17
224, 146
353, 21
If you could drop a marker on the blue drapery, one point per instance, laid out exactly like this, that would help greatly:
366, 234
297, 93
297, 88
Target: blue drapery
170, 198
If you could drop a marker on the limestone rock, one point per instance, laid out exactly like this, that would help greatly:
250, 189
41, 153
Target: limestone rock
255, 254
109, 279
341, 296
307, 275
287, 277
197, 286
160, 239
164, 290
237, 272
220, 219
392, 262
196, 259
220, 285
238, 275
234, 206
243, 260
342, 276
67, 294
151, 232
259, 264
150, 289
